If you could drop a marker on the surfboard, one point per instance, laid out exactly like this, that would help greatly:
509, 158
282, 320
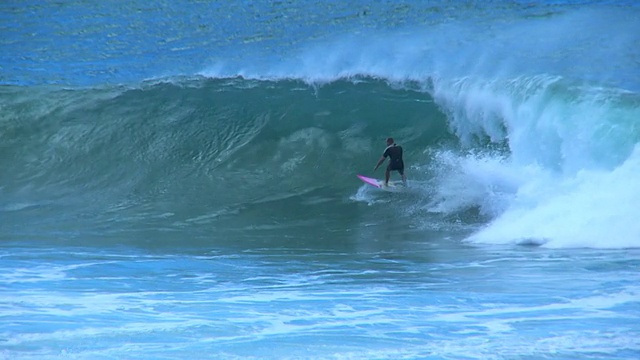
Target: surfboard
394, 186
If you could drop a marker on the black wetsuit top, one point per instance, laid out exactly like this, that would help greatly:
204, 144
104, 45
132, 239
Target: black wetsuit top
394, 152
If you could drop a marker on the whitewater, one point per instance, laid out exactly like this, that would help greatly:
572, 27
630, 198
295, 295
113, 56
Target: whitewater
179, 180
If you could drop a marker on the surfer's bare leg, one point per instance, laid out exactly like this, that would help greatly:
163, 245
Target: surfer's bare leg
387, 174
404, 178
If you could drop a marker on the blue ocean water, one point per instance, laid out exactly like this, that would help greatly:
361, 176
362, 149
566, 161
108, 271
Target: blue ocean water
178, 180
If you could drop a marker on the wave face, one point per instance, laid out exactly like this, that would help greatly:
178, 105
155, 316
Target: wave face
231, 153
532, 159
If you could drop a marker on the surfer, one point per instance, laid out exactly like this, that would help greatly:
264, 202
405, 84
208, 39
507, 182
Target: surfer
394, 152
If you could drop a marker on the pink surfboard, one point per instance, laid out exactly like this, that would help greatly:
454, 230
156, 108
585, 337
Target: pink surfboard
370, 181
394, 186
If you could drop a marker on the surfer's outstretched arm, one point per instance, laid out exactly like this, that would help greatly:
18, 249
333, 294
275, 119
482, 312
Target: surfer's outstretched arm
379, 163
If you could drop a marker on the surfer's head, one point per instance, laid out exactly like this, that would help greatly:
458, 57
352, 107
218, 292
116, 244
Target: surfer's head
389, 141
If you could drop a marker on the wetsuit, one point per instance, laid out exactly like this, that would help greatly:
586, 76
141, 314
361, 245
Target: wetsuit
394, 152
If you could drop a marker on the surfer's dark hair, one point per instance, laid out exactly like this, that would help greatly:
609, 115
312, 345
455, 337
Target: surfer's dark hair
390, 140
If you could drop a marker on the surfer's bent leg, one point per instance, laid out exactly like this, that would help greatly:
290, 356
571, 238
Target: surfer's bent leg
404, 178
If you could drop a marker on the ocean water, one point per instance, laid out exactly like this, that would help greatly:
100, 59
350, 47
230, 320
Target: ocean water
177, 180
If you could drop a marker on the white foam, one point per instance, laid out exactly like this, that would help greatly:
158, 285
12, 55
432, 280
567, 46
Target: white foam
460, 48
569, 176
470, 181
596, 208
